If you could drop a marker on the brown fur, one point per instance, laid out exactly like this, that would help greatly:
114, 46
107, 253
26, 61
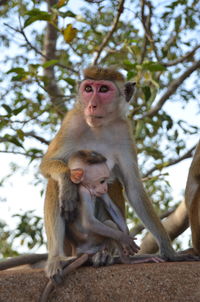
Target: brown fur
112, 137
99, 73
192, 199
88, 157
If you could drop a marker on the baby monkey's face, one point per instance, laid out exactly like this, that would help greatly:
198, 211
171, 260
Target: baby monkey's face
96, 179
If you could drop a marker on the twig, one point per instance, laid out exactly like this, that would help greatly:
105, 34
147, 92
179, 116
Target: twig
140, 227
110, 33
20, 153
21, 31
39, 138
171, 89
172, 162
181, 59
146, 22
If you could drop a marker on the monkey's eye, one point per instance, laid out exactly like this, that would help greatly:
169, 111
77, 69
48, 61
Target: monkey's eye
88, 88
102, 181
104, 88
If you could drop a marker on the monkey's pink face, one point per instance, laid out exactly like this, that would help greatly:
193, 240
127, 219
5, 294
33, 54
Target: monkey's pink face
98, 98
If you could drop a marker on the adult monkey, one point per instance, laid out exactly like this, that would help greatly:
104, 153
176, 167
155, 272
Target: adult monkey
192, 199
98, 122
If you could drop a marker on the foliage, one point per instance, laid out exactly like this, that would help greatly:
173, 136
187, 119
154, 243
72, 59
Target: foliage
29, 231
155, 43
6, 244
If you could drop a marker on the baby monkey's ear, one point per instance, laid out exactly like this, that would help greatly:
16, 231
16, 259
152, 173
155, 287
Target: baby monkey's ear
76, 175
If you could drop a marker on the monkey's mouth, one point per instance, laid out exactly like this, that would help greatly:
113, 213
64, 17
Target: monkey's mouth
96, 116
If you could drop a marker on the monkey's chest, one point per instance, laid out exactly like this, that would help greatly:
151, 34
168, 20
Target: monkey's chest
102, 147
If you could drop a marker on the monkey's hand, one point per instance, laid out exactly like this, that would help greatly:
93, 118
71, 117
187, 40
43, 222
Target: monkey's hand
129, 247
68, 198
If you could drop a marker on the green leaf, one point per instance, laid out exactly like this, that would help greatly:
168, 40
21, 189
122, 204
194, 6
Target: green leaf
68, 13
20, 134
13, 140
131, 74
178, 23
18, 70
7, 108
147, 92
18, 110
49, 63
128, 65
152, 66
70, 81
139, 128
35, 15
61, 3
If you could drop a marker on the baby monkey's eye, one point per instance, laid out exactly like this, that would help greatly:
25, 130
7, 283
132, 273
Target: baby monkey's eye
102, 181
88, 88
104, 88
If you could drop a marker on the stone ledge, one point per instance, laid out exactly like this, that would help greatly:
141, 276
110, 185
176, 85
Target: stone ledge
154, 282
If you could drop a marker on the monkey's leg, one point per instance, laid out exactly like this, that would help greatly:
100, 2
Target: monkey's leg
67, 268
138, 259
105, 256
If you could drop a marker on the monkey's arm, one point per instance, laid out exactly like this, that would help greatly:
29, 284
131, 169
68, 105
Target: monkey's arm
129, 175
51, 167
55, 230
54, 165
115, 213
94, 226
67, 191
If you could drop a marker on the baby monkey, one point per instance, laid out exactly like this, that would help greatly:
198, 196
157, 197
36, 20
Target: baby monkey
99, 223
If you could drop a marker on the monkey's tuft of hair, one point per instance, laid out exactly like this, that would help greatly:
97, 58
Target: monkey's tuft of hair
100, 73
89, 157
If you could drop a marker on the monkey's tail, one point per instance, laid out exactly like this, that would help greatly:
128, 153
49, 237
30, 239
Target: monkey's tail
21, 260
68, 269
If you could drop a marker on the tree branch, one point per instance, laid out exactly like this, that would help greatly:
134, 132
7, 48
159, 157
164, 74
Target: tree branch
20, 153
172, 162
37, 51
51, 86
3, 2
146, 22
171, 90
140, 227
181, 59
175, 224
34, 135
144, 47
110, 33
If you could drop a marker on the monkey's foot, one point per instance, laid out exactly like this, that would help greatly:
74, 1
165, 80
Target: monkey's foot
182, 257
141, 259
102, 258
54, 268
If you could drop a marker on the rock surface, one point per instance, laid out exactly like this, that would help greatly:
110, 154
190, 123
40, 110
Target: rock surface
152, 282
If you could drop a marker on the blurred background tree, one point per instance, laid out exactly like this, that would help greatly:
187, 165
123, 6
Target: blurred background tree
46, 44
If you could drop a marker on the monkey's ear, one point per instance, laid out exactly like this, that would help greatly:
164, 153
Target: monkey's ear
129, 90
76, 175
